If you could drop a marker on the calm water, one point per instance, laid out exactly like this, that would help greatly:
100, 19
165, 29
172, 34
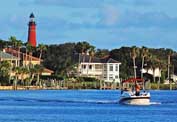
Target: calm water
83, 106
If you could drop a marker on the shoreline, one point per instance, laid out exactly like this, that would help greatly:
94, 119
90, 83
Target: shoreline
19, 88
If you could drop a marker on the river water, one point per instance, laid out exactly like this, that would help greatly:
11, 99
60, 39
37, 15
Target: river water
84, 106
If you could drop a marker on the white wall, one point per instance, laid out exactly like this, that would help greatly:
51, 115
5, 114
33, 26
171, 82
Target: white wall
103, 73
157, 72
88, 71
111, 72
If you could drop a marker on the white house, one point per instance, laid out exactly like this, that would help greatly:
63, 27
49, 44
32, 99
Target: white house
156, 72
174, 77
106, 69
8, 57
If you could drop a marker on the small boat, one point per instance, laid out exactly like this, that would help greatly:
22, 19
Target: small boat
132, 96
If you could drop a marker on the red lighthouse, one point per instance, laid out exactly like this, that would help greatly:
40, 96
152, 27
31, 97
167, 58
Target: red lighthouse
32, 31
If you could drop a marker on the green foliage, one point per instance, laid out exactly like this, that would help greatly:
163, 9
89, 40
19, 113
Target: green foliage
82, 47
59, 57
155, 58
30, 48
56, 77
38, 68
101, 53
5, 68
123, 55
87, 79
41, 48
3, 44
154, 86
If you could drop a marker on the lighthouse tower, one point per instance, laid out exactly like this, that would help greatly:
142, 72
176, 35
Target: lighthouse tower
32, 31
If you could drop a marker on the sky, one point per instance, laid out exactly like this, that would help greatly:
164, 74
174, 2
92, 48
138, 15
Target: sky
107, 24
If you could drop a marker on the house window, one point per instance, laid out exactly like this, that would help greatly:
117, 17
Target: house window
98, 66
110, 76
90, 66
110, 67
116, 77
83, 66
105, 67
117, 67
105, 76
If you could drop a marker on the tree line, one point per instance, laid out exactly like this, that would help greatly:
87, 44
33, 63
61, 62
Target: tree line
61, 58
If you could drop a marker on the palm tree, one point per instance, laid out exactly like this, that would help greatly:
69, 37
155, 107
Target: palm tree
102, 52
82, 48
17, 71
13, 41
5, 67
144, 53
39, 69
85, 48
170, 53
29, 49
91, 54
33, 72
134, 53
41, 48
152, 64
3, 44
24, 71
27, 81
20, 72
169, 56
16, 44
19, 44
160, 66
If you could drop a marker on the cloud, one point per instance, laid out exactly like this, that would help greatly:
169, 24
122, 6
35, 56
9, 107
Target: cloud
86, 3
72, 4
110, 18
148, 20
140, 2
14, 21
110, 15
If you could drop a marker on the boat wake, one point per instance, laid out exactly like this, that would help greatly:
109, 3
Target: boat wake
164, 103
170, 102
60, 100
81, 101
155, 103
86, 101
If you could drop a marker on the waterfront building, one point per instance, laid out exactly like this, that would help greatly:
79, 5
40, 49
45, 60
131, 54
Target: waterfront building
8, 57
154, 72
106, 68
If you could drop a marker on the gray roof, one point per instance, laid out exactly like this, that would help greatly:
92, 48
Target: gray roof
7, 56
87, 59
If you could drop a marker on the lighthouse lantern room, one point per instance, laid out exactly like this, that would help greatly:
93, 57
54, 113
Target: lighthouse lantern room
32, 31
